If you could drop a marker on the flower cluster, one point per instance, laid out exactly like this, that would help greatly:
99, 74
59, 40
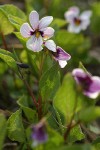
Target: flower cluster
90, 85
39, 34
77, 22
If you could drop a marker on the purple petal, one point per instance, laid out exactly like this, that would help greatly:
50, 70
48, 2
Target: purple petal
95, 86
50, 45
34, 19
35, 44
39, 133
61, 54
44, 22
26, 30
48, 33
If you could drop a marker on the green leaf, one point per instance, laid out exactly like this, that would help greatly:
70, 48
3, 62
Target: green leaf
7, 11
64, 99
58, 23
5, 25
89, 114
15, 127
8, 58
49, 82
96, 143
2, 130
29, 113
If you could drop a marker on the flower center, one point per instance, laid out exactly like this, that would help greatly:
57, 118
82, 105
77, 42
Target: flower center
77, 21
37, 34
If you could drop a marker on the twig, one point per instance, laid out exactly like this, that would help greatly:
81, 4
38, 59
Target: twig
3, 40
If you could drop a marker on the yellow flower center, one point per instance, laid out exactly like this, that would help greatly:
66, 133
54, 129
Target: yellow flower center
37, 34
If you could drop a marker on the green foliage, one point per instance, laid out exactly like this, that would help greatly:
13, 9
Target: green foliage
95, 25
8, 58
86, 116
7, 11
49, 82
2, 130
15, 127
29, 113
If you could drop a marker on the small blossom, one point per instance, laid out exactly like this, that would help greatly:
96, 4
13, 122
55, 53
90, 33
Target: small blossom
90, 84
39, 134
58, 53
37, 32
77, 22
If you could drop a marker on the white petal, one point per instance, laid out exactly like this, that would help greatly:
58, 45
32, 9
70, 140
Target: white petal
62, 63
86, 15
48, 33
91, 95
85, 24
71, 13
34, 19
50, 45
45, 21
26, 30
74, 29
35, 44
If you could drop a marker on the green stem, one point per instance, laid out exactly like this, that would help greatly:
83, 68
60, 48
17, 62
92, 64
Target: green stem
4, 41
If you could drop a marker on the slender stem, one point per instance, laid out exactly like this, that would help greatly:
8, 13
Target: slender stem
29, 90
69, 127
40, 107
3, 40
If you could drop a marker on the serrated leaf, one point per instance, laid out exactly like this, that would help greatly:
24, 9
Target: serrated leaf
29, 113
49, 82
2, 130
15, 127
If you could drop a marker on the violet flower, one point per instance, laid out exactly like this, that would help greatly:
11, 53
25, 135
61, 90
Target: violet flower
90, 84
59, 55
37, 32
77, 22
39, 134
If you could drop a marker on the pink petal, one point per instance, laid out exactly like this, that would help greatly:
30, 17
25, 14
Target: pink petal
44, 22
95, 86
62, 63
35, 44
34, 19
48, 33
26, 30
71, 13
50, 45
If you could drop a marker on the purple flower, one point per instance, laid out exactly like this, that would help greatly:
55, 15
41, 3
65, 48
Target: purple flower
89, 84
39, 134
37, 32
58, 53
77, 22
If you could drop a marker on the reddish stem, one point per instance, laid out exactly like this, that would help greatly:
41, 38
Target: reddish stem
4, 41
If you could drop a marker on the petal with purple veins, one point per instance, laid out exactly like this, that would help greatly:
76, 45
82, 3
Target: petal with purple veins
35, 44
47, 33
45, 21
34, 19
26, 30
61, 54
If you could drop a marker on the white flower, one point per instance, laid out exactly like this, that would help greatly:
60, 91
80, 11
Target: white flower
37, 32
77, 22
